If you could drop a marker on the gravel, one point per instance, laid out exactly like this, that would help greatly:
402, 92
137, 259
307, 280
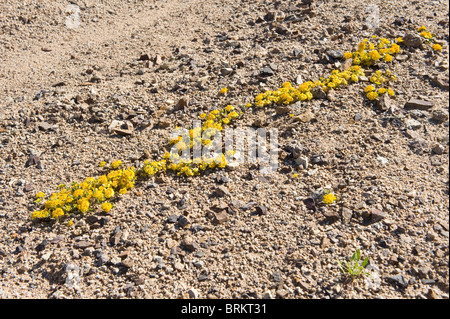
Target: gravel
114, 88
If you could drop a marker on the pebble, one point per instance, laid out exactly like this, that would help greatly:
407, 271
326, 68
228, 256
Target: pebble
266, 72
398, 280
193, 293
438, 149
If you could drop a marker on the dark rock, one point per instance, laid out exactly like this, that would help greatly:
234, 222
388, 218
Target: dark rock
183, 221
398, 280
189, 245
261, 210
266, 72
172, 219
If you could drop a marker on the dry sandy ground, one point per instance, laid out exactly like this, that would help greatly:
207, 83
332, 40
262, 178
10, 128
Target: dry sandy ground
68, 69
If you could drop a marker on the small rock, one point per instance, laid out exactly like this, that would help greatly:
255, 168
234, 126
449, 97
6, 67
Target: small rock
382, 160
268, 295
377, 215
384, 103
182, 103
282, 293
306, 117
44, 126
412, 40
266, 72
83, 244
277, 277
439, 116
261, 210
193, 293
331, 215
318, 93
183, 221
438, 149
302, 161
416, 104
221, 191
401, 57
220, 218
347, 214
335, 54
413, 124
398, 280
72, 275
283, 110
226, 71
164, 123
189, 245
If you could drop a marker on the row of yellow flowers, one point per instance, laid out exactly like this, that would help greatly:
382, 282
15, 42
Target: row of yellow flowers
101, 191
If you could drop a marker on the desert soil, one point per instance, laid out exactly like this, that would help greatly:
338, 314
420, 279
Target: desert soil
63, 82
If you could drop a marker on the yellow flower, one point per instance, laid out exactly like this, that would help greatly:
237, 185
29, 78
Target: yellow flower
426, 34
223, 91
40, 195
106, 206
437, 47
348, 55
329, 198
422, 28
374, 55
391, 92
388, 58
229, 108
83, 205
102, 164
369, 88
123, 191
69, 223
381, 90
57, 212
399, 39
295, 175
116, 164
372, 95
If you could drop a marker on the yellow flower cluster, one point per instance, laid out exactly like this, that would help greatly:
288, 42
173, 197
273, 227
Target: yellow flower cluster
369, 52
80, 197
379, 79
329, 198
428, 36
289, 94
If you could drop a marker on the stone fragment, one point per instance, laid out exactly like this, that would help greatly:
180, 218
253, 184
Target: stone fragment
439, 115
83, 244
347, 214
193, 293
412, 40
261, 210
266, 72
377, 215
416, 104
438, 149
220, 218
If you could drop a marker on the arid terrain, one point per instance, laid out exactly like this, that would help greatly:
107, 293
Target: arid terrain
68, 70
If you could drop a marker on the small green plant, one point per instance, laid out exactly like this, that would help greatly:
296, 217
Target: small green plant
354, 267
